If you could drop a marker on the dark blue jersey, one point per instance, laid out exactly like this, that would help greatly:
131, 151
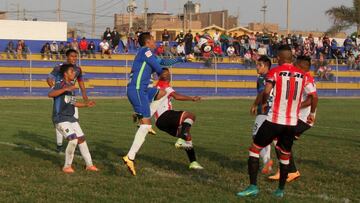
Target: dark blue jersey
64, 104
55, 73
146, 63
260, 87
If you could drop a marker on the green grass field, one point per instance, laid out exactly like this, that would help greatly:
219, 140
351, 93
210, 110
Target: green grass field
327, 156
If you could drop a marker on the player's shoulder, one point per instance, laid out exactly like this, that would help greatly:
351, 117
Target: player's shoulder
145, 52
169, 89
309, 78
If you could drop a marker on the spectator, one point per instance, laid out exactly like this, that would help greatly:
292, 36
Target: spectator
173, 50
45, 51
224, 39
181, 49
21, 50
160, 50
252, 41
351, 62
10, 49
54, 50
188, 42
62, 50
115, 40
75, 45
165, 37
107, 34
180, 37
137, 34
216, 37
231, 53
197, 38
124, 40
262, 50
92, 49
83, 47
248, 59
132, 39
67, 46
105, 48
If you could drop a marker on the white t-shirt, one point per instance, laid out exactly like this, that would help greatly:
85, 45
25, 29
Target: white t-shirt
104, 45
310, 88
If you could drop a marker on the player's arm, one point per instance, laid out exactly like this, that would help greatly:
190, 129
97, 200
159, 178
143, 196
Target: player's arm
50, 80
181, 97
258, 101
82, 86
85, 104
314, 103
54, 92
171, 62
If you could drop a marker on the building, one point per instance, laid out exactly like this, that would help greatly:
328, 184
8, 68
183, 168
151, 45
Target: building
3, 15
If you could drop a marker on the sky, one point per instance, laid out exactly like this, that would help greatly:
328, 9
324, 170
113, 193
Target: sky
305, 14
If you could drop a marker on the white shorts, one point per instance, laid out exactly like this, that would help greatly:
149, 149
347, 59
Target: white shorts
259, 120
68, 129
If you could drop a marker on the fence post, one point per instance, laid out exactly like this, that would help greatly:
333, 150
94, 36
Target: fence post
126, 72
216, 72
30, 71
337, 74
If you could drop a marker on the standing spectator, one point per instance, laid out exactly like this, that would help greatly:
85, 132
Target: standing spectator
62, 50
137, 34
115, 40
75, 45
54, 50
334, 46
180, 37
231, 53
21, 49
252, 41
348, 44
107, 34
165, 37
217, 51
188, 42
92, 49
181, 49
45, 51
83, 47
10, 49
248, 59
216, 36
262, 50
197, 38
224, 39
124, 40
105, 48
132, 39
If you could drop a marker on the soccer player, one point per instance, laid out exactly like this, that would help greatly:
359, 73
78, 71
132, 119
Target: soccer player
263, 66
287, 83
64, 117
54, 76
309, 97
140, 95
176, 123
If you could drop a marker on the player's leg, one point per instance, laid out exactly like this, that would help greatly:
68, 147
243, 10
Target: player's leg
284, 145
264, 137
186, 120
68, 132
59, 140
83, 147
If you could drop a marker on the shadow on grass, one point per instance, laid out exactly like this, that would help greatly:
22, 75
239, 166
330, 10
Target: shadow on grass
331, 168
101, 152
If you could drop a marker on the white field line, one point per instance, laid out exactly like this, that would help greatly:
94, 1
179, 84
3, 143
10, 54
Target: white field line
324, 197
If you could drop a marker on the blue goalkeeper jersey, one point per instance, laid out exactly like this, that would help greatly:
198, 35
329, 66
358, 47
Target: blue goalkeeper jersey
145, 64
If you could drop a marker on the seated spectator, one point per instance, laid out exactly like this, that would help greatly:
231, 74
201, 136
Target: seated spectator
248, 59
45, 51
75, 45
231, 53
218, 51
92, 49
124, 40
105, 48
160, 50
21, 50
67, 46
62, 50
54, 50
83, 47
351, 62
10, 49
173, 50
181, 49
262, 50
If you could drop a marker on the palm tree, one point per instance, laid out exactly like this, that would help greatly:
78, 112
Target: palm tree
344, 17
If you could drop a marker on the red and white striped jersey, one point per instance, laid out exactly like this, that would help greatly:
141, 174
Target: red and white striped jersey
310, 88
165, 104
288, 86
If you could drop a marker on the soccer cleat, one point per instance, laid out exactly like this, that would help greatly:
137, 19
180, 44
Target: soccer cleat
59, 148
279, 193
250, 191
68, 170
195, 166
268, 167
130, 165
92, 168
276, 176
182, 144
152, 131
293, 176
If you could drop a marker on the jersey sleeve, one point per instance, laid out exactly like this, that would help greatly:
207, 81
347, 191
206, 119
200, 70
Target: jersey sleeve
54, 73
310, 87
80, 76
153, 62
169, 91
170, 62
271, 76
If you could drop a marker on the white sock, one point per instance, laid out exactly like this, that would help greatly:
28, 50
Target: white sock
59, 137
265, 154
189, 121
69, 152
138, 140
84, 150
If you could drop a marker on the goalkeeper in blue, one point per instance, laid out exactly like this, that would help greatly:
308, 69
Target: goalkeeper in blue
139, 93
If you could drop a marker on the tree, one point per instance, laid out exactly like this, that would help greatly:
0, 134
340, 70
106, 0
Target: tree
344, 17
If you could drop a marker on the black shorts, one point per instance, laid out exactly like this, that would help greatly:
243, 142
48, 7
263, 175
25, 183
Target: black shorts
268, 131
170, 121
301, 128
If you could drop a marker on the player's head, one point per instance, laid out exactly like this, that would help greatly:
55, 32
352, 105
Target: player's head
71, 56
263, 64
165, 75
303, 62
284, 54
146, 39
67, 72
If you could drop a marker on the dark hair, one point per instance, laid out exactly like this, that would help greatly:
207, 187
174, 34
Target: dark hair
284, 48
144, 37
68, 52
64, 68
304, 58
266, 60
